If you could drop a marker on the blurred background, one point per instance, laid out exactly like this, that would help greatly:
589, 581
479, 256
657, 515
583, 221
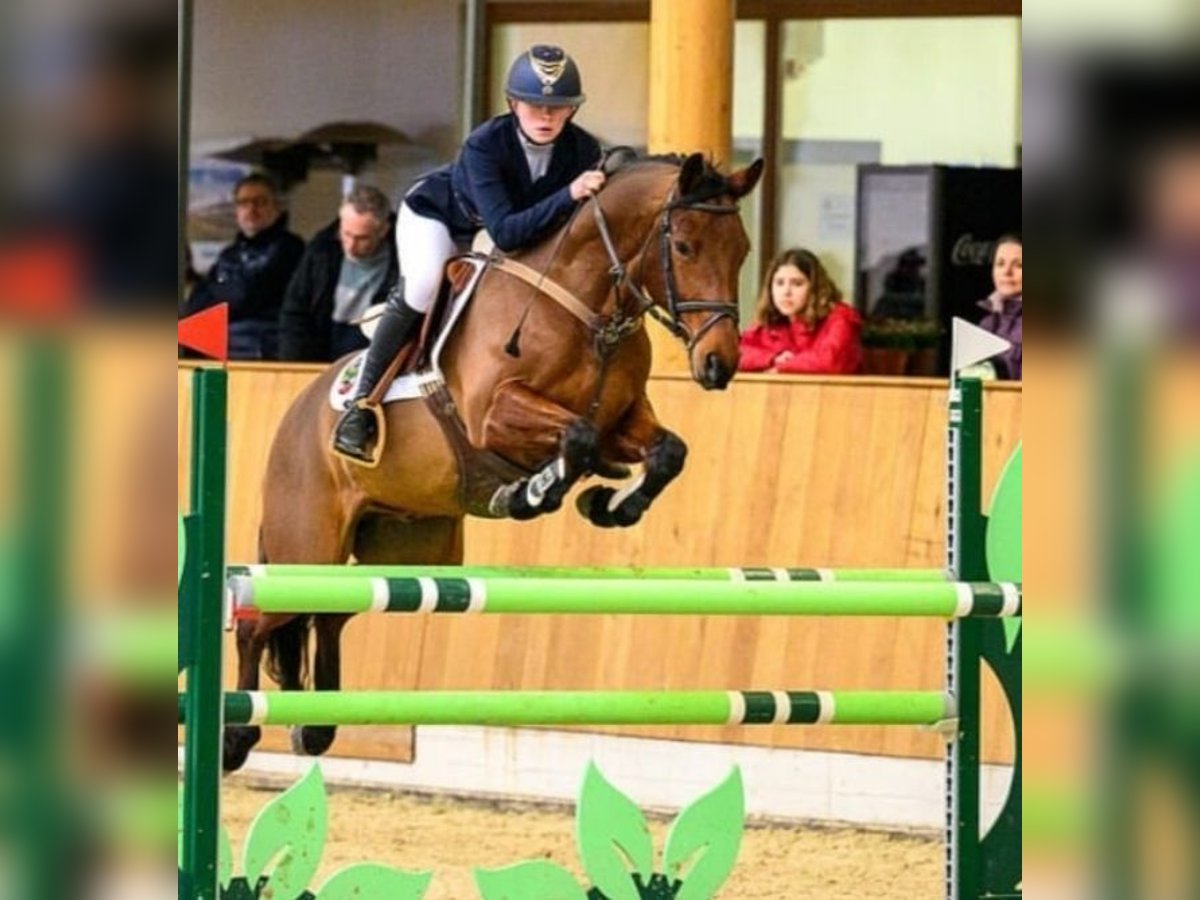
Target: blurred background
1099, 103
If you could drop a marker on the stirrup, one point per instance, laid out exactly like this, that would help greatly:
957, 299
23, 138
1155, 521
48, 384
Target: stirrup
369, 460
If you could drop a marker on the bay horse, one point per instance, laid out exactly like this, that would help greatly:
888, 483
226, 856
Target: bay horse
562, 398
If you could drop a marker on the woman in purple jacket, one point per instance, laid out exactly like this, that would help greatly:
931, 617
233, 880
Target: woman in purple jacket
518, 175
1003, 305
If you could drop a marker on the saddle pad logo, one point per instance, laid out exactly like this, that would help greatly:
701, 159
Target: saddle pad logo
347, 378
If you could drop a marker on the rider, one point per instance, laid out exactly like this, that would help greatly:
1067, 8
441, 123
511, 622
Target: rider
518, 175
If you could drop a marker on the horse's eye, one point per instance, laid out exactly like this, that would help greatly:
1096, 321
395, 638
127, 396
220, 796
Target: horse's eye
683, 248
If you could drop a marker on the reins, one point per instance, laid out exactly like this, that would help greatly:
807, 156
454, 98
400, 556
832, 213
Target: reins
608, 331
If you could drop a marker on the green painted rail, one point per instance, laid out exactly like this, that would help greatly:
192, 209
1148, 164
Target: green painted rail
594, 573
337, 594
513, 708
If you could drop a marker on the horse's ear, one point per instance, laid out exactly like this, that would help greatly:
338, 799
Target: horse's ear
690, 174
744, 180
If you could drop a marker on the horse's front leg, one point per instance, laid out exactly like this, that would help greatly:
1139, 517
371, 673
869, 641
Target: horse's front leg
524, 426
638, 436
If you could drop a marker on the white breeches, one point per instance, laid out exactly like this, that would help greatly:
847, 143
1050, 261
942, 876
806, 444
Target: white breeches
424, 246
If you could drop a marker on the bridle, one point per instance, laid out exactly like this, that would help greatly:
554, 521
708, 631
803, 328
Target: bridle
609, 330
622, 324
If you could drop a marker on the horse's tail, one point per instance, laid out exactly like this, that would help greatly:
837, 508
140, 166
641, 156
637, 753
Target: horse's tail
287, 646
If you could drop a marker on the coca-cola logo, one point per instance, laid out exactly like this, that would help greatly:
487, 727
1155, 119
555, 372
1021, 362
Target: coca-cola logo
970, 252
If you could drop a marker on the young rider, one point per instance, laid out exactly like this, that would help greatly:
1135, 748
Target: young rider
518, 175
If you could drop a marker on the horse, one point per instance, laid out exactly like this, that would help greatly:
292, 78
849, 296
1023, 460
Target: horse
562, 398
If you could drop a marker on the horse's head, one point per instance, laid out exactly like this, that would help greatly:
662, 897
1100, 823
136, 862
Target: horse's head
688, 265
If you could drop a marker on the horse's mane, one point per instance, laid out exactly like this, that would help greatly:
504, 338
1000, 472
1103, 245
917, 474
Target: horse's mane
625, 160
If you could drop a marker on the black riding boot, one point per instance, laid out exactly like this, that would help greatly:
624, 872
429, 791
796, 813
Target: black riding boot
356, 429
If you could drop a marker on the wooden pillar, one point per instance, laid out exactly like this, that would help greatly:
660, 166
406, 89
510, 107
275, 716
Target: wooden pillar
691, 103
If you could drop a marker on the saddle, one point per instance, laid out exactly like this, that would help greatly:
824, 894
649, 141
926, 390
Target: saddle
482, 472
458, 275
417, 355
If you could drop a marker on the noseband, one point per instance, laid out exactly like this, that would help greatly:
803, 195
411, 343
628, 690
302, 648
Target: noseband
676, 305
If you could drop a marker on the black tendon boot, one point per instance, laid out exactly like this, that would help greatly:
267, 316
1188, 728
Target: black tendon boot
356, 429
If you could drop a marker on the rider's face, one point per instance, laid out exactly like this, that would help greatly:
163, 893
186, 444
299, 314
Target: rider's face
541, 124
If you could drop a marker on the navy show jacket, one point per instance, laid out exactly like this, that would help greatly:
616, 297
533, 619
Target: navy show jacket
488, 186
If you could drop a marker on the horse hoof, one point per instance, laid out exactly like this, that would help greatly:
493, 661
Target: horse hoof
630, 511
237, 744
309, 740
593, 505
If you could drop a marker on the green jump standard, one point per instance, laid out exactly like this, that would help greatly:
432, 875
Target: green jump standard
332, 594
586, 708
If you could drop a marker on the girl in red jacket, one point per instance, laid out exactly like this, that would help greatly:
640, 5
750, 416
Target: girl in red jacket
801, 324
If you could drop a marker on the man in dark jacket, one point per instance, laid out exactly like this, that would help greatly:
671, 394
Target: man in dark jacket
252, 273
349, 266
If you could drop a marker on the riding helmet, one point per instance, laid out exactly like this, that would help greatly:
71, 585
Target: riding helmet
545, 75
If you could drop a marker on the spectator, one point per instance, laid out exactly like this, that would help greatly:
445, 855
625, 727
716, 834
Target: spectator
1003, 305
252, 273
903, 294
801, 324
349, 266
518, 175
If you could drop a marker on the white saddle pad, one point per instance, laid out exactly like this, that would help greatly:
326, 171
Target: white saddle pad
406, 387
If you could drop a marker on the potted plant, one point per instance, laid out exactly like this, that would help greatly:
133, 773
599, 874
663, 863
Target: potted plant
900, 346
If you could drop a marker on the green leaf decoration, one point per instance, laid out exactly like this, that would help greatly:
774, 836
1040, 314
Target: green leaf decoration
224, 857
539, 880
1003, 541
612, 836
179, 826
366, 881
288, 836
1171, 609
703, 843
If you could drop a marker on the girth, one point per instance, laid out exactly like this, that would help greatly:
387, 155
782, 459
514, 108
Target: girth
480, 472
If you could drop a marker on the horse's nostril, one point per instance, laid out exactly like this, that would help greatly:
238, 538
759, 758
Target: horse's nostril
715, 373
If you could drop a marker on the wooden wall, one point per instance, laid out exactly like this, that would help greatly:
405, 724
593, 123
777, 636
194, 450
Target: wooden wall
783, 471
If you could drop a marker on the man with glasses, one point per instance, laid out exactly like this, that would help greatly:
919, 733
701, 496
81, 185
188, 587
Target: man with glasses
252, 273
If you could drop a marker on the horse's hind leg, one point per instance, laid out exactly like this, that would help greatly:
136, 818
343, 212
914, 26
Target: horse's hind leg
639, 435
313, 740
314, 538
251, 642
378, 540
304, 521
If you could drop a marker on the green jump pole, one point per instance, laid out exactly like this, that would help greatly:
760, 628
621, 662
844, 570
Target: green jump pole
513, 708
200, 613
324, 594
595, 573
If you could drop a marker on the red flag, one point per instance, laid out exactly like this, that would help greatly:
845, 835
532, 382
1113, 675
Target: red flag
207, 331
40, 280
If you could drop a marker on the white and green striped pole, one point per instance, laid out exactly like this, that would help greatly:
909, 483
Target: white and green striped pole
335, 594
595, 573
517, 708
